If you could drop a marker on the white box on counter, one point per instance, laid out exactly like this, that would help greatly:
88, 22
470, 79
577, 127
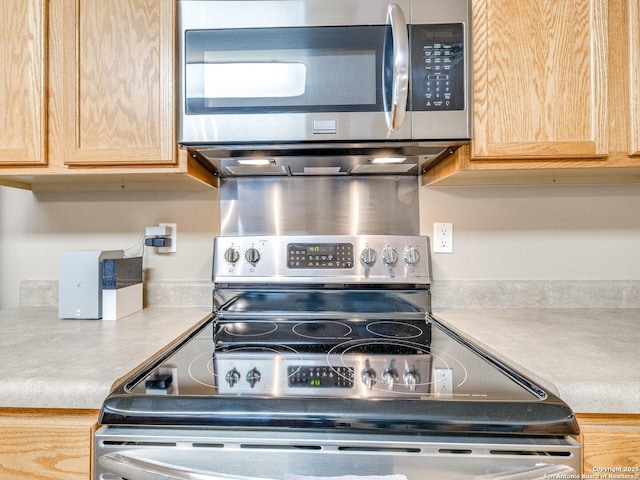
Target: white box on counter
80, 282
121, 287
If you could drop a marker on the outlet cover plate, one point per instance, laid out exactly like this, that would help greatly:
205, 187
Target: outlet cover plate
443, 238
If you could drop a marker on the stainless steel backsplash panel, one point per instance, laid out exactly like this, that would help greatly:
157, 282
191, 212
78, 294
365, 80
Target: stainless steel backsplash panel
373, 205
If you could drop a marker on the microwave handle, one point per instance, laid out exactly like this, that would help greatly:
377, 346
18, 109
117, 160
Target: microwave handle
138, 468
400, 86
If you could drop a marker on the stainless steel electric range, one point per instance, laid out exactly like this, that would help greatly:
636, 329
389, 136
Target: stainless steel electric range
322, 360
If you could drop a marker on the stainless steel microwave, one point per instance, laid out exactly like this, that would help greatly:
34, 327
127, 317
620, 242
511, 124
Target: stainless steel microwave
317, 71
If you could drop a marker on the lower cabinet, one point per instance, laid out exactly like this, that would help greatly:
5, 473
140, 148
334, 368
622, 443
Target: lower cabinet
610, 445
47, 444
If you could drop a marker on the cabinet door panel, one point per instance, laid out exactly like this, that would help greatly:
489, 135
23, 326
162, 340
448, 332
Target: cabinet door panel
612, 447
540, 79
46, 444
22, 82
119, 99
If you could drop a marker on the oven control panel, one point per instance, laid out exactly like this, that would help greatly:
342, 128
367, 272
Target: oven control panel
382, 259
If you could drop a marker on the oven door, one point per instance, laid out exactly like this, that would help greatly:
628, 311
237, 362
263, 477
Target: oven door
147, 454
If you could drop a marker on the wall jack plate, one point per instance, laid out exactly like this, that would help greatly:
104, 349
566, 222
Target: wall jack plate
174, 237
443, 238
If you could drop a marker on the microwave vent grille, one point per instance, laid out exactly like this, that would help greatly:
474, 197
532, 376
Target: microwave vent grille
244, 170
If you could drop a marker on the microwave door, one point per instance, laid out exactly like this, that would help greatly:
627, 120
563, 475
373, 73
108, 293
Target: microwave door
316, 83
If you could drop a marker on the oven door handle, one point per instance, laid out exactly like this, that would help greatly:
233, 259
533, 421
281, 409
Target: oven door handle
138, 468
537, 472
400, 83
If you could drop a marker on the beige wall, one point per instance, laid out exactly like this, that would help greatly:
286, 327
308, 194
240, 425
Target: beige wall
537, 233
500, 233
34, 227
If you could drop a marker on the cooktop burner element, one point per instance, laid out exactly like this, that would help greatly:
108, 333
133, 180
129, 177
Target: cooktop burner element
322, 330
395, 329
246, 330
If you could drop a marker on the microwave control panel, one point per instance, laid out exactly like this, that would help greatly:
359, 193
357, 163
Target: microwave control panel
438, 70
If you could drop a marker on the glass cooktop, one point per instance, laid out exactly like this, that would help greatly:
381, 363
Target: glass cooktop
442, 384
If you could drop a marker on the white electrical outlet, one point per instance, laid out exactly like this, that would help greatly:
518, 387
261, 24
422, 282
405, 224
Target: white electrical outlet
173, 248
443, 238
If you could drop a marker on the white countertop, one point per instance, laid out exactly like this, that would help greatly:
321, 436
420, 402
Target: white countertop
591, 355
46, 362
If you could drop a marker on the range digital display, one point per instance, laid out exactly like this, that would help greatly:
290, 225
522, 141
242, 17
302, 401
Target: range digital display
320, 376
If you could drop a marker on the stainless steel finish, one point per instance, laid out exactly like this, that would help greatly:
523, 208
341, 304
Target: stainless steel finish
368, 257
389, 256
180, 453
266, 261
440, 128
400, 89
263, 373
410, 255
319, 205
339, 159
205, 14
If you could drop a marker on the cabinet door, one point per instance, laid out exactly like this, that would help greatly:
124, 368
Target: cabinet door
540, 79
23, 82
117, 82
46, 444
612, 447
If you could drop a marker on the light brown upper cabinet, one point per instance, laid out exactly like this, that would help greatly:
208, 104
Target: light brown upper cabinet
540, 79
88, 95
114, 90
23, 97
556, 94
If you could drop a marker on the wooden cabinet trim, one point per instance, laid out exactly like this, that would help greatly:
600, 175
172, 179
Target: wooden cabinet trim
25, 109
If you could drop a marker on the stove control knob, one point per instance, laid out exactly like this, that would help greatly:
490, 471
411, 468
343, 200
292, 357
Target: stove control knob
368, 377
232, 377
411, 255
368, 257
390, 377
411, 379
389, 256
252, 256
253, 377
231, 255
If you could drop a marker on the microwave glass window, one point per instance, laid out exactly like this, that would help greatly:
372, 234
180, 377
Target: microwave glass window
254, 80
300, 75
321, 69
